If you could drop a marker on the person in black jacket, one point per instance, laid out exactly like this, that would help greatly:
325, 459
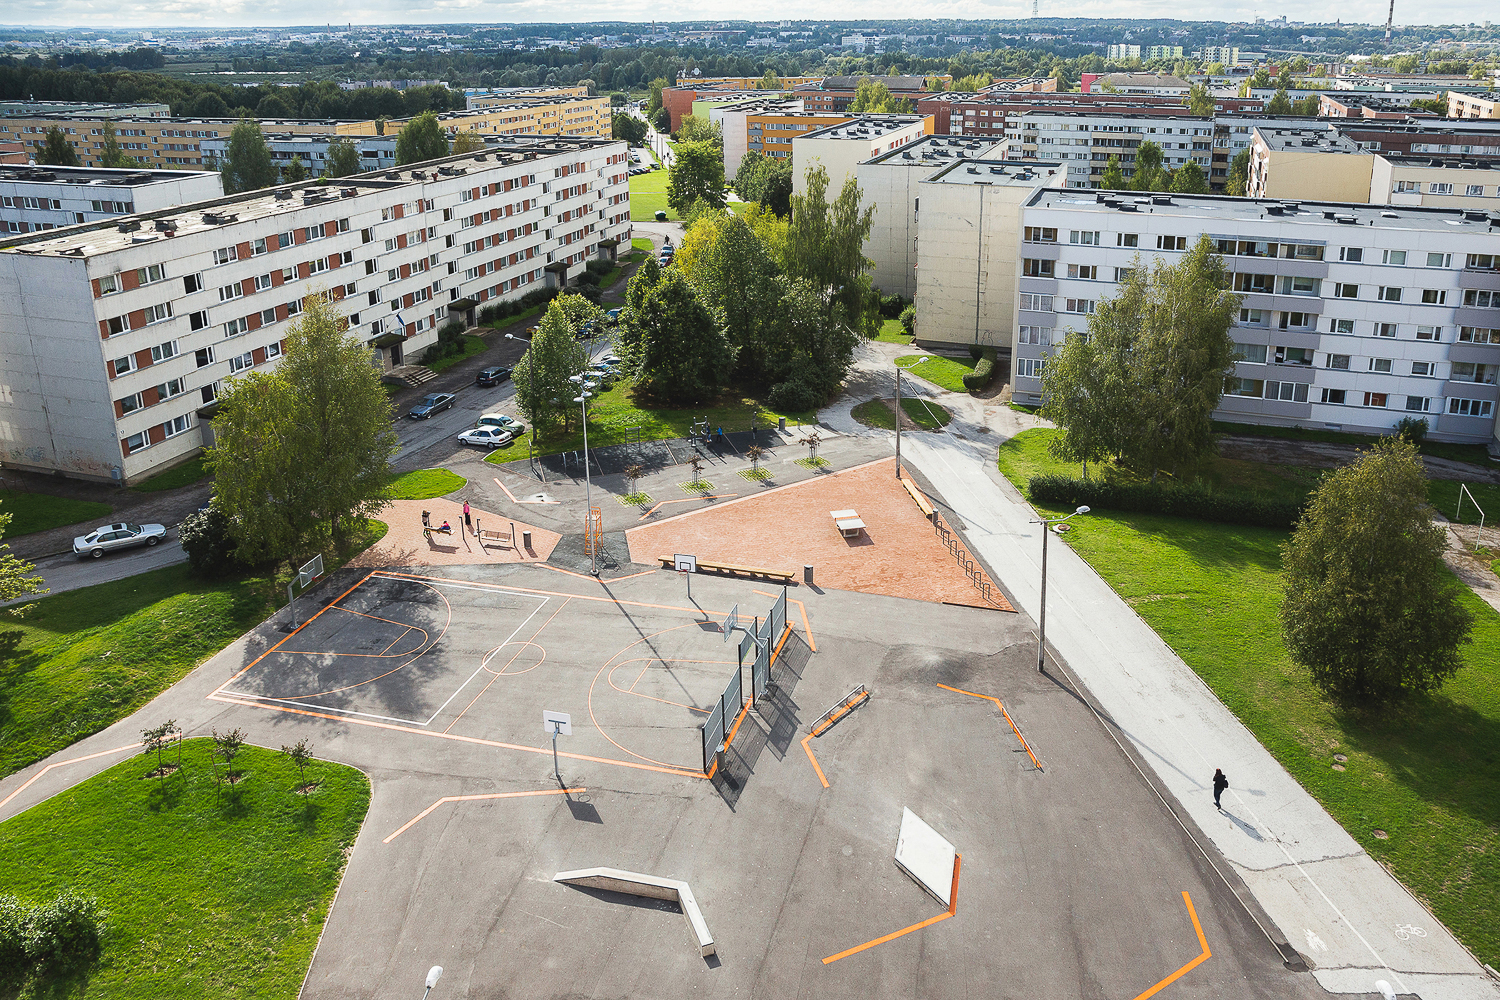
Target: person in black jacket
1220, 783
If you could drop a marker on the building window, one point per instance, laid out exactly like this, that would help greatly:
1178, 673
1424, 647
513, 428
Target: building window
1353, 255
1252, 387
225, 255
130, 403
1478, 335
1470, 407
170, 388
1029, 367
162, 352
1335, 396
1344, 290
150, 275
1385, 329
1293, 285
1038, 335
1481, 299
1171, 243
1295, 392
1083, 307
1440, 260
1434, 296
1341, 326
136, 442
1294, 355
1127, 239
192, 283
1034, 268
235, 327
204, 356
117, 324
233, 291
209, 393
108, 285
1435, 187
1393, 257
177, 425
273, 349
157, 313
241, 362
1429, 333
1389, 293
1254, 354
1382, 365
1088, 272
1482, 261
1084, 238
123, 365
1422, 368
294, 307
1040, 234
1254, 317
1297, 321
1339, 362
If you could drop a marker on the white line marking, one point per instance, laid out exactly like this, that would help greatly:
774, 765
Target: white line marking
481, 661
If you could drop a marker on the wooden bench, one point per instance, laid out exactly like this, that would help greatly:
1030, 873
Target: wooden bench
916, 494
497, 537
707, 567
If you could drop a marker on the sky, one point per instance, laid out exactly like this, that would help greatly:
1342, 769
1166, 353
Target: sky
240, 13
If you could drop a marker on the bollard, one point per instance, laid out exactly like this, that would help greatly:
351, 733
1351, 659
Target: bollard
807, 575
719, 757
526, 540
781, 425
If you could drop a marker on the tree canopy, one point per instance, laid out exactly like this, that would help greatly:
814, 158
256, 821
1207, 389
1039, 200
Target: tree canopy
342, 158
696, 175
1367, 603
57, 151
825, 246
247, 161
111, 155
543, 389
670, 338
698, 129
467, 141
421, 139
15, 573
765, 179
632, 129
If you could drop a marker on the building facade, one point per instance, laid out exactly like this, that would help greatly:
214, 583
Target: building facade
841, 148
35, 199
115, 338
1352, 318
1473, 105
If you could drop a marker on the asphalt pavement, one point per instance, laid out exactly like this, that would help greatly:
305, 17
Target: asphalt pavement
68, 572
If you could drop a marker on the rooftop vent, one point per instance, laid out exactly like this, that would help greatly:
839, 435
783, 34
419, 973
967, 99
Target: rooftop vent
128, 226
1347, 220
1161, 199
218, 218
1328, 214
419, 175
1274, 210
1389, 215
348, 192
137, 178
166, 225
143, 237
973, 170
283, 196
1471, 215
1126, 208
393, 176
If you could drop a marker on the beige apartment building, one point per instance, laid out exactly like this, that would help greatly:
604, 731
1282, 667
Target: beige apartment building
1308, 163
1473, 105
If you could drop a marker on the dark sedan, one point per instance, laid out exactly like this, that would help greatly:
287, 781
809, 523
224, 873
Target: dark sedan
492, 376
430, 404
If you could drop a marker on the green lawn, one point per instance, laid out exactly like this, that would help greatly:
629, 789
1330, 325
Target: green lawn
185, 474
892, 332
1429, 776
31, 512
615, 411
641, 243
878, 413
205, 895
472, 346
1444, 495
426, 484
945, 373
501, 324
1472, 453
648, 195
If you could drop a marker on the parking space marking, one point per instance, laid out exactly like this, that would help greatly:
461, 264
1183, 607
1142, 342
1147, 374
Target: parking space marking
952, 909
475, 798
1202, 957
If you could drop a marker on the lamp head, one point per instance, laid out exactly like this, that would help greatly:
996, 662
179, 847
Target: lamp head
433, 975
1082, 510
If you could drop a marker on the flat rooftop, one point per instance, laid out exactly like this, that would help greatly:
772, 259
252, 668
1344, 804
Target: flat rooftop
125, 231
1307, 140
1120, 113
94, 175
867, 127
993, 173
1202, 209
936, 150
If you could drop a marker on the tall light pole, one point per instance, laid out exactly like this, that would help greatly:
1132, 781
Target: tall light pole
899, 370
582, 399
1041, 641
433, 975
530, 388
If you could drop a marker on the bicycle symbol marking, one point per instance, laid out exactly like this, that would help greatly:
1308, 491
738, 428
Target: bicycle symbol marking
1405, 931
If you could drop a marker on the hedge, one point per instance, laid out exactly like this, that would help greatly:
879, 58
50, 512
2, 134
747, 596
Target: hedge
983, 373
1193, 500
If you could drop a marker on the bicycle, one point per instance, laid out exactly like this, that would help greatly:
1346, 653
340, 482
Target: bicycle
1405, 931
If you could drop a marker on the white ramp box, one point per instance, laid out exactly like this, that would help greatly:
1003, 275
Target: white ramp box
923, 854
636, 884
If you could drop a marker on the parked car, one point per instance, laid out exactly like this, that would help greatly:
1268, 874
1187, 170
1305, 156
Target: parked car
430, 404
613, 315
486, 437
109, 537
502, 422
493, 375
611, 359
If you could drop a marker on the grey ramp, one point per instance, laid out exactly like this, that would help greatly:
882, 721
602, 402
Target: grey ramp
636, 884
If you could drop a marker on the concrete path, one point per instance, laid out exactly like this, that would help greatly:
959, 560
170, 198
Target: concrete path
1330, 900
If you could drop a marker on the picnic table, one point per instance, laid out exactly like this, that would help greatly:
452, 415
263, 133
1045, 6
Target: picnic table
848, 522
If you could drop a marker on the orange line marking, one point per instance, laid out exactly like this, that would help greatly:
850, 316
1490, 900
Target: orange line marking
506, 489
729, 740
716, 496
952, 909
813, 759
390, 574
1003, 712
294, 631
559, 569
71, 760
632, 576
1203, 957
474, 798
811, 642
459, 737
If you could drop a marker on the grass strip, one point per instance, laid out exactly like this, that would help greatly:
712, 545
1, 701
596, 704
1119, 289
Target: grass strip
32, 512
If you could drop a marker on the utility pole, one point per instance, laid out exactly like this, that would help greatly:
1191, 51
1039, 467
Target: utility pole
1389, 18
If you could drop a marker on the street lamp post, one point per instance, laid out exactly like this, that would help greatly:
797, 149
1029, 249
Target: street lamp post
530, 388
582, 399
899, 370
1041, 642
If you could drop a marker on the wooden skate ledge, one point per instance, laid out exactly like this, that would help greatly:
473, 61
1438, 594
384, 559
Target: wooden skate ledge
636, 884
707, 567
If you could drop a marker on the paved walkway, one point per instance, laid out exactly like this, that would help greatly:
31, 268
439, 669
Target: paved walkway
1328, 898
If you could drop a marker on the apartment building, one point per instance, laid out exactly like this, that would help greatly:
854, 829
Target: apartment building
842, 147
1353, 316
376, 152
1473, 105
82, 109
499, 96
835, 93
771, 131
578, 117
1436, 183
35, 199
115, 338
733, 118
1329, 166
967, 250
1160, 84
744, 82
1079, 144
891, 182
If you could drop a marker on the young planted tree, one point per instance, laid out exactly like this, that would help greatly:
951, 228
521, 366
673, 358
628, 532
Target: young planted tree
302, 453
1149, 173
1367, 603
812, 441
155, 740
421, 139
299, 753
633, 473
343, 158
1189, 179
754, 453
1085, 392
247, 161
697, 463
57, 151
226, 746
15, 575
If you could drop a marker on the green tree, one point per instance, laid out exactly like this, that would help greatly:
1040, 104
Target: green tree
543, 390
769, 81
1085, 393
1114, 177
247, 161
466, 142
697, 175
735, 278
696, 129
776, 196
1199, 101
679, 351
299, 753
1189, 179
421, 139
653, 93
1279, 104
1310, 105
632, 129
1239, 174
750, 179
303, 452
825, 245
343, 158
57, 151
15, 574
662, 120
1367, 604
294, 172
1149, 173
111, 155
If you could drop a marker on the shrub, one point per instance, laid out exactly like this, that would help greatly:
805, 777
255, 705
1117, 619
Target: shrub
909, 319
976, 352
1412, 429
795, 394
893, 306
984, 372
1191, 500
598, 268
12, 937
205, 538
591, 292
588, 279
64, 934
510, 307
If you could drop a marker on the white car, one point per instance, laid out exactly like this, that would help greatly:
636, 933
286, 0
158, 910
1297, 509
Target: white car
109, 537
486, 437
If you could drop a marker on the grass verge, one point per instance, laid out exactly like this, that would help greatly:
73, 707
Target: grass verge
648, 195
945, 373
1475, 454
880, 413
207, 894
892, 332
185, 474
31, 512
472, 346
426, 484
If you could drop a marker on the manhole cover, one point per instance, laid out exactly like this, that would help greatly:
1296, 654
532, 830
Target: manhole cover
1338, 767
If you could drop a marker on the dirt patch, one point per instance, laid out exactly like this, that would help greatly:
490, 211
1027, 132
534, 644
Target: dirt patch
160, 772
308, 788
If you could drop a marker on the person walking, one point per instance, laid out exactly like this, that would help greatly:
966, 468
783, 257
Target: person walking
467, 523
1220, 783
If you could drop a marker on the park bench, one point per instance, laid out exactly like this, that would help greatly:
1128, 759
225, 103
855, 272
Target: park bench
707, 567
496, 537
916, 494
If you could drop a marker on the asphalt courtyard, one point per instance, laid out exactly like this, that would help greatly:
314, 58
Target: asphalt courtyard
1073, 879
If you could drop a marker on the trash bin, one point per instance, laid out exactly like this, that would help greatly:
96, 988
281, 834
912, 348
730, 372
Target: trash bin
661, 216
807, 574
526, 540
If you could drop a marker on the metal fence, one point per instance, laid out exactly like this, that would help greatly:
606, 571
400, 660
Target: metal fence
713, 734
760, 645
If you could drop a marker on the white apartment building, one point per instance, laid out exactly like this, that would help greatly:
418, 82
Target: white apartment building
1354, 316
841, 148
891, 182
1079, 144
376, 152
1449, 183
35, 199
116, 337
